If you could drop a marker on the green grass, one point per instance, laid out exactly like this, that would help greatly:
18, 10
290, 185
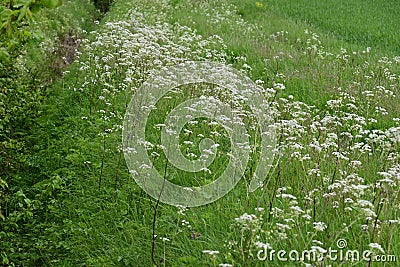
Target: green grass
101, 217
366, 23
306, 84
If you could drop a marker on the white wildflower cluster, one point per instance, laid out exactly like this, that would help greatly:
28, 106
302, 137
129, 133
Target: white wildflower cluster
247, 220
220, 13
118, 58
286, 216
211, 252
328, 154
337, 163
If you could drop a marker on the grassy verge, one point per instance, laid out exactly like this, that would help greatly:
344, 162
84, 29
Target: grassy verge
27, 190
336, 170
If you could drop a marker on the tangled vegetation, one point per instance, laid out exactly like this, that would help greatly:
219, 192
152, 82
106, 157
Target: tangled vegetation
68, 199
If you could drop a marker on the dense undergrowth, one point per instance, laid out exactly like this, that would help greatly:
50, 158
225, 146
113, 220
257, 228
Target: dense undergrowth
35, 51
336, 173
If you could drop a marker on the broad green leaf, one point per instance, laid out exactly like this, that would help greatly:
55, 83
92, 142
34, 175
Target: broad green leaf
51, 3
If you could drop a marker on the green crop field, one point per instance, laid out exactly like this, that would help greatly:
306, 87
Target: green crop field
74, 82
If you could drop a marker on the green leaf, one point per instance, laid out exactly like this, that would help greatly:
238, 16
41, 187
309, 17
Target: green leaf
35, 8
27, 33
14, 13
5, 14
51, 3
28, 14
3, 184
4, 55
38, 35
22, 13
